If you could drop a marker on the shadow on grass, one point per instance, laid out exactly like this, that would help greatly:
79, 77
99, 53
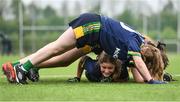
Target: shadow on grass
60, 80
53, 81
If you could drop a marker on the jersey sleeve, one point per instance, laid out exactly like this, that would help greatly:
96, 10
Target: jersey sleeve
134, 47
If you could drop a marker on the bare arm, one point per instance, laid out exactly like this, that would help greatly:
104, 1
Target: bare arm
136, 75
62, 60
80, 68
141, 67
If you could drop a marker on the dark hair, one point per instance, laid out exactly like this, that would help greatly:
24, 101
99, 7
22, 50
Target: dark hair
103, 57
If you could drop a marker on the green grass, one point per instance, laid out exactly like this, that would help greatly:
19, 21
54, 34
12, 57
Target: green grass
53, 87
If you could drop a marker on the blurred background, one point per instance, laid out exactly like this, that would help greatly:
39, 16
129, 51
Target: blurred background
27, 25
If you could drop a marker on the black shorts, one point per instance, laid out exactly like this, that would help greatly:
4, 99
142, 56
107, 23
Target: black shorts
87, 28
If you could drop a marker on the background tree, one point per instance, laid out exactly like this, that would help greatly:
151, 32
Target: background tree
168, 21
2, 7
65, 11
15, 8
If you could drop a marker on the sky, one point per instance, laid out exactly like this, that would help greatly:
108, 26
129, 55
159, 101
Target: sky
154, 4
119, 5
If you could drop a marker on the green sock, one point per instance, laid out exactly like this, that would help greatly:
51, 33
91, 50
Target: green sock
15, 63
27, 65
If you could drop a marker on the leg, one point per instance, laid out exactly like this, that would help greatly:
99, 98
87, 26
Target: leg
58, 61
62, 60
64, 43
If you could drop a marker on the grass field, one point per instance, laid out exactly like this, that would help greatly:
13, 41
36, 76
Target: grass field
53, 87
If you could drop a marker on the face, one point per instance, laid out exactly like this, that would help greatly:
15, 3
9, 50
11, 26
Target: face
107, 69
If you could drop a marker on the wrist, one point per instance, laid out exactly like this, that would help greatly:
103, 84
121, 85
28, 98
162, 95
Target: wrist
147, 81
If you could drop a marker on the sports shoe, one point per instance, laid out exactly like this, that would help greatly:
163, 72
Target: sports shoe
14, 74
168, 77
20, 74
9, 72
33, 74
